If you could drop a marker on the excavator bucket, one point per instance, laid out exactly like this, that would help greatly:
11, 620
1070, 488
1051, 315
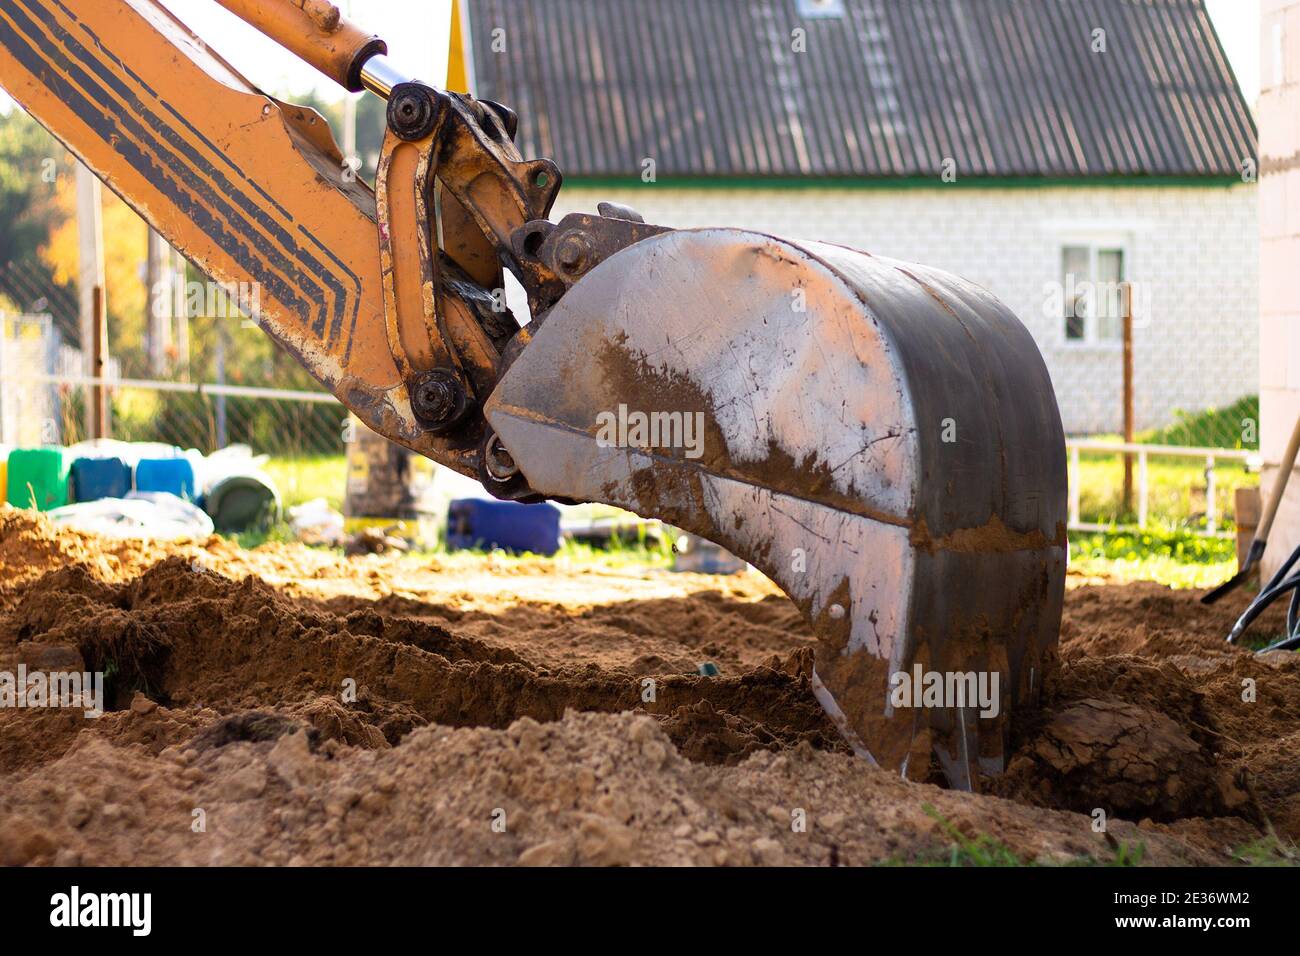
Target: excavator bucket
878, 438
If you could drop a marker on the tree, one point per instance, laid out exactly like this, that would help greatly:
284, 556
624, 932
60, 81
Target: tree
32, 166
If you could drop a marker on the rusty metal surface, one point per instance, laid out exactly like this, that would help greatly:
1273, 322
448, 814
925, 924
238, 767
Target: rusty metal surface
581, 241
825, 379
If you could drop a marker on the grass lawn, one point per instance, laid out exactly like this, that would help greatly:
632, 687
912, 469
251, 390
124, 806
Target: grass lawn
1178, 559
1176, 495
1169, 553
302, 479
1177, 487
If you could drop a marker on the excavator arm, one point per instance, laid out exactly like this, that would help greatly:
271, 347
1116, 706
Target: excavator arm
256, 193
878, 438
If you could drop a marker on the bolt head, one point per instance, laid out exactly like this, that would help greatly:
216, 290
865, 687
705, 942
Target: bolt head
437, 398
571, 253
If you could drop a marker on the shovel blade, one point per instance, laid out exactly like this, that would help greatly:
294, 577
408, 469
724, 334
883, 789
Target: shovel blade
880, 439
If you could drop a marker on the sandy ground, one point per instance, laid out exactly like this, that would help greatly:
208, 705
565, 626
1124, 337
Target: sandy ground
500, 717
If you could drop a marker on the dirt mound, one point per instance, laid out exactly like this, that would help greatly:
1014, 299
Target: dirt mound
589, 788
187, 637
290, 706
1150, 620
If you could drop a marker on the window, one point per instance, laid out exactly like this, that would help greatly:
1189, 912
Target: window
1092, 277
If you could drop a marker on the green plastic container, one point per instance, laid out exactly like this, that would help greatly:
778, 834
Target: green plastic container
40, 474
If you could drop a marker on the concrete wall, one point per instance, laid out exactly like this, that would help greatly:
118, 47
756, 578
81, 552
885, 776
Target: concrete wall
1279, 196
1193, 251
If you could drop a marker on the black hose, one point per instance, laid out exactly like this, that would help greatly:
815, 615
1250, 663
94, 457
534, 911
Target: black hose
1293, 611
1261, 602
1280, 573
1286, 644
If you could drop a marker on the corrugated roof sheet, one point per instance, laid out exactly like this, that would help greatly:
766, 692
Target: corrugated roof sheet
1006, 88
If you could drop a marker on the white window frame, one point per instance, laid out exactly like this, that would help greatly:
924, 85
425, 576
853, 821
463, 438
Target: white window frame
1094, 242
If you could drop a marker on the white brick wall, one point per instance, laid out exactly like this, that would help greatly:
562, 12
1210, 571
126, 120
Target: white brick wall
1195, 249
1279, 194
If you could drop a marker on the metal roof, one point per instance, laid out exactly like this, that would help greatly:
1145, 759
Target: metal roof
887, 89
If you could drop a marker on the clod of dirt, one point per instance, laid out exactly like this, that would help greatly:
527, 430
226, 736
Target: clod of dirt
1126, 759
706, 735
254, 726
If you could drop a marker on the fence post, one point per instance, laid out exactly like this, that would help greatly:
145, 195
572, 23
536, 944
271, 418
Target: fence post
1211, 516
1075, 478
1142, 488
99, 364
1129, 417
90, 237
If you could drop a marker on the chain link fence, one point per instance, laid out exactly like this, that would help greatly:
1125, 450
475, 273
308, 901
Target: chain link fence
203, 376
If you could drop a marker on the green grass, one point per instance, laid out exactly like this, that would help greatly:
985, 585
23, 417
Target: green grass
1177, 558
1175, 496
1177, 486
619, 554
1172, 556
302, 479
277, 533
1268, 851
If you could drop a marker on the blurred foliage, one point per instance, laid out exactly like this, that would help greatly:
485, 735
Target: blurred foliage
33, 168
304, 478
287, 428
125, 239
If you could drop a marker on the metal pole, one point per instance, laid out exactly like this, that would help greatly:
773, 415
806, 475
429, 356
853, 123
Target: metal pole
90, 232
99, 359
1211, 511
180, 311
1142, 489
220, 402
1075, 478
1129, 428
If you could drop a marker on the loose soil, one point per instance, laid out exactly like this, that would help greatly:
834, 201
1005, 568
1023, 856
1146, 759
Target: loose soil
290, 706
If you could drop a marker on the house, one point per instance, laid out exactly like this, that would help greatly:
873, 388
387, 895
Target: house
1045, 149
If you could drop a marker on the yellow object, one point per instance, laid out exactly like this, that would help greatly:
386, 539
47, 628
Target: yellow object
457, 55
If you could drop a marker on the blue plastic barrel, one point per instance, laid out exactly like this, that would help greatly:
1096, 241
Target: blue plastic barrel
95, 478
173, 475
508, 525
